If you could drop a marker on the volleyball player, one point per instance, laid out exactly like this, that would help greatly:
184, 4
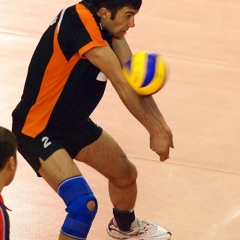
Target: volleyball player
83, 47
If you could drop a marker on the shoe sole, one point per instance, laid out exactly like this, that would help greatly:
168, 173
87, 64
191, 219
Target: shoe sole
132, 237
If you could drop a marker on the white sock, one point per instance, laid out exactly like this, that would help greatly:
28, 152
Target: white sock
134, 224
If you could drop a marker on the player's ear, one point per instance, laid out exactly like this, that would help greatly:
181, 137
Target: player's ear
104, 13
12, 163
10, 168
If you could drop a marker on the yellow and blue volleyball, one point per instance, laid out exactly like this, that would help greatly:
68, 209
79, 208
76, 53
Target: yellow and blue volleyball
145, 72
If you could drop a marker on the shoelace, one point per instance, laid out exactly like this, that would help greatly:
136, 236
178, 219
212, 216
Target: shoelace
146, 227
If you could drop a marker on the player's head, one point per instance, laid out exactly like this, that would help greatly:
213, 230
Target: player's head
117, 16
114, 5
8, 152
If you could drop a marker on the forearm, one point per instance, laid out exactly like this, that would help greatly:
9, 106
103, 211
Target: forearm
154, 109
121, 49
158, 115
140, 110
123, 52
108, 63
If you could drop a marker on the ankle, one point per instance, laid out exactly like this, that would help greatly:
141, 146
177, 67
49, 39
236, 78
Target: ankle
125, 220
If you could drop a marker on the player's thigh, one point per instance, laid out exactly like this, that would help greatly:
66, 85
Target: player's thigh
46, 154
57, 168
107, 157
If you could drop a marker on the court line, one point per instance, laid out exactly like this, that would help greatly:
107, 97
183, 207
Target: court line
184, 165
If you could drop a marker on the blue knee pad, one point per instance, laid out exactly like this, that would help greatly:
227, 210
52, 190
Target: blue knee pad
76, 193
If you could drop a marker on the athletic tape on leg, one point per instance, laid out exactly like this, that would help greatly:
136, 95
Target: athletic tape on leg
76, 193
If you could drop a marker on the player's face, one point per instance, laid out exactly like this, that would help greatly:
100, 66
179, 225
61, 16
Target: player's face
123, 20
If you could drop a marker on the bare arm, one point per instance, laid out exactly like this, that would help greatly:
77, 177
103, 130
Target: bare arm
106, 60
121, 49
123, 52
158, 115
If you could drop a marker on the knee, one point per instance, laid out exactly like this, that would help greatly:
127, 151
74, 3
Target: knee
131, 173
126, 177
81, 207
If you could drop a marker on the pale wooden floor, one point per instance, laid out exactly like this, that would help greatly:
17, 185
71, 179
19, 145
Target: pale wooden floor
196, 193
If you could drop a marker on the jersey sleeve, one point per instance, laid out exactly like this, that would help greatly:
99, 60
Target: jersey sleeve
78, 31
93, 30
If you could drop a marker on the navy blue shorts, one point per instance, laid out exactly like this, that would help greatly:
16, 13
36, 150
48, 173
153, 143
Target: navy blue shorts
51, 140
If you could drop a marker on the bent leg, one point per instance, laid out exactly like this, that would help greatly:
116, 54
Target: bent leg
106, 156
64, 177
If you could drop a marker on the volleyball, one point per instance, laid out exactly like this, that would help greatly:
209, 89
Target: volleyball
145, 72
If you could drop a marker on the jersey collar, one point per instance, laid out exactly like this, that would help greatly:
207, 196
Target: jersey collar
2, 202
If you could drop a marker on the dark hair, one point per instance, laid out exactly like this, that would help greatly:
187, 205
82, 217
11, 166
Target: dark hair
8, 146
114, 5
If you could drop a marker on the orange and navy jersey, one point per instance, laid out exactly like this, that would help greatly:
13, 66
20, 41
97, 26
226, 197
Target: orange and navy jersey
4, 221
62, 87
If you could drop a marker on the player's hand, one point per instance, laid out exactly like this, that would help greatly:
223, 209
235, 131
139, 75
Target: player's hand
161, 143
169, 133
